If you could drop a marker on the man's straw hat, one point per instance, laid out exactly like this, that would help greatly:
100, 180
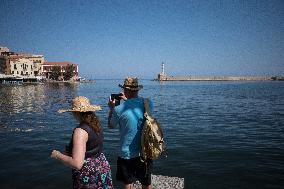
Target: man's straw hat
81, 104
131, 83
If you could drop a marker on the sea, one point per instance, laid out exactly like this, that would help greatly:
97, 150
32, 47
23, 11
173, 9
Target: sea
218, 134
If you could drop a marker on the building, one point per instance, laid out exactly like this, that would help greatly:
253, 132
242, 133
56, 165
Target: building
22, 67
47, 68
15, 64
29, 65
3, 50
36, 60
3, 59
4, 64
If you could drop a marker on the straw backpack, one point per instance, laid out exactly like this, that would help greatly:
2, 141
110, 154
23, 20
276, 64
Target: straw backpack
152, 139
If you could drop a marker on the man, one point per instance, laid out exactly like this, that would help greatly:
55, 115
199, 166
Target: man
128, 117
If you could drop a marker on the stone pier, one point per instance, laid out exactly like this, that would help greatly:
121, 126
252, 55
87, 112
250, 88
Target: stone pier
217, 78
164, 182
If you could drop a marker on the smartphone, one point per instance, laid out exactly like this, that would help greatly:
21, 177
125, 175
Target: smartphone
116, 97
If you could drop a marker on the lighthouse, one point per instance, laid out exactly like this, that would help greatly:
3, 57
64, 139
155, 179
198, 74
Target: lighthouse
162, 75
163, 68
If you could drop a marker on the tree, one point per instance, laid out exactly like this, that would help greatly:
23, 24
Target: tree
69, 72
55, 72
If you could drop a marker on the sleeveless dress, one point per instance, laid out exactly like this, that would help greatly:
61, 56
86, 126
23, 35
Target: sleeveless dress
96, 172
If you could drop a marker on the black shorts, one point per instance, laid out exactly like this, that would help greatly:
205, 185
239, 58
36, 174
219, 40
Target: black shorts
130, 170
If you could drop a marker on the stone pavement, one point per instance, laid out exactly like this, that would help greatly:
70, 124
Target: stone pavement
164, 182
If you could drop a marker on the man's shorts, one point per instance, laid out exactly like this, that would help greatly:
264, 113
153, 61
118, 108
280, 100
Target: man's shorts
130, 170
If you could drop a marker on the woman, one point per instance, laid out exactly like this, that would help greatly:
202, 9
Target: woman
90, 169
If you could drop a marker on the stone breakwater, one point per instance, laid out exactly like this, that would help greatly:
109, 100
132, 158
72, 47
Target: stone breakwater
164, 182
217, 78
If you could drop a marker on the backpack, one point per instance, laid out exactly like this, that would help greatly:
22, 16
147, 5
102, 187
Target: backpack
152, 138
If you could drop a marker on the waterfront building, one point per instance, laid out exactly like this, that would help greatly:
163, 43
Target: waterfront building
4, 64
3, 59
10, 60
3, 50
21, 67
47, 68
30, 65
37, 61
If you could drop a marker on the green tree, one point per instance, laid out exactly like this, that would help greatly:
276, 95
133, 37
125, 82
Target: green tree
69, 72
55, 72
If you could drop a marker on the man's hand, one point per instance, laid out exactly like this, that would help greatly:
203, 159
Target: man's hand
111, 103
122, 96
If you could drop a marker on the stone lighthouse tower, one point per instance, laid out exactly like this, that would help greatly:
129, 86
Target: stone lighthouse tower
162, 75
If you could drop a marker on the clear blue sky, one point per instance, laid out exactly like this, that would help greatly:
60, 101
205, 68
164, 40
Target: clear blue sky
115, 39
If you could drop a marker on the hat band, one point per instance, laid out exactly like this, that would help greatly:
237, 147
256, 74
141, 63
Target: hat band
131, 86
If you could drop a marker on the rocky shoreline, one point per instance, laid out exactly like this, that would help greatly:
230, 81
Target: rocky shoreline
164, 182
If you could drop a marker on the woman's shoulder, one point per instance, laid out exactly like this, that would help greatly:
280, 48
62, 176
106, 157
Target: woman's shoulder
85, 127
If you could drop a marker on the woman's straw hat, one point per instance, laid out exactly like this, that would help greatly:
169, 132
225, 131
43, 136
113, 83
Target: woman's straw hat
81, 104
131, 83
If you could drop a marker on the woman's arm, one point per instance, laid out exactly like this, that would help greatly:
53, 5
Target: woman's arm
80, 138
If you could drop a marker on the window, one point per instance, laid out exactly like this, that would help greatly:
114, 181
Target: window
15, 66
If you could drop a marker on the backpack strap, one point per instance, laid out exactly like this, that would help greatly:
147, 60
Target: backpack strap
146, 106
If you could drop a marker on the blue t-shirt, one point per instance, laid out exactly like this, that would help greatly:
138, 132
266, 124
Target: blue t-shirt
128, 117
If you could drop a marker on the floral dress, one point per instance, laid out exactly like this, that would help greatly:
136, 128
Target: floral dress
95, 174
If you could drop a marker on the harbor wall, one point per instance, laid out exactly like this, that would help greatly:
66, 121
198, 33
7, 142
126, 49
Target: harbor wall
213, 78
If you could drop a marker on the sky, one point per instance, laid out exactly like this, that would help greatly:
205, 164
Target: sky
116, 39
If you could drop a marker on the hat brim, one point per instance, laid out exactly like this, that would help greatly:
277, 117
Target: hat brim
87, 109
139, 87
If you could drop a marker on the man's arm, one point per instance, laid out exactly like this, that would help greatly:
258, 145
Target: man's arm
109, 119
111, 105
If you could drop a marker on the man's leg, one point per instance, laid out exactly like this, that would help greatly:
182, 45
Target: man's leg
124, 173
143, 173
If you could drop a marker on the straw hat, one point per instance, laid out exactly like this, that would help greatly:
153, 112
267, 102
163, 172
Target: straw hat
131, 83
81, 104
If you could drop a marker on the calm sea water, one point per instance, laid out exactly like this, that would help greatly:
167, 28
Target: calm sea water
218, 134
